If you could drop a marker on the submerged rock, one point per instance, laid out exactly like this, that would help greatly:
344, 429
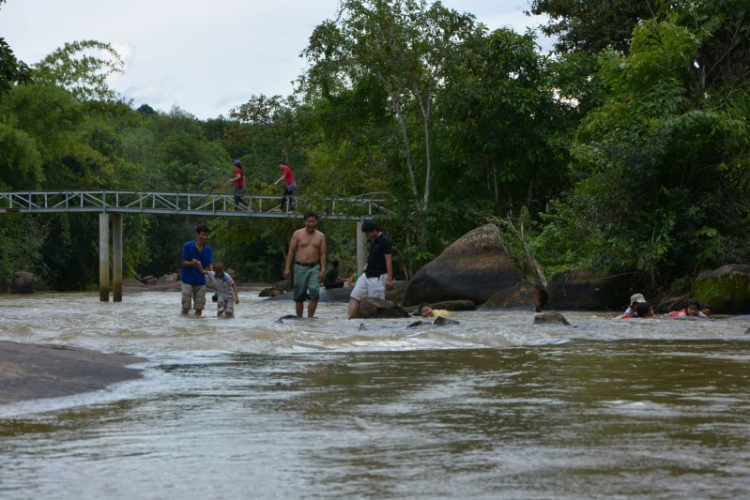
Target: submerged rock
293, 317
370, 307
522, 295
270, 292
550, 318
442, 321
32, 371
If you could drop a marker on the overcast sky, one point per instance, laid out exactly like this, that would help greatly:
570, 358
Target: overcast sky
206, 56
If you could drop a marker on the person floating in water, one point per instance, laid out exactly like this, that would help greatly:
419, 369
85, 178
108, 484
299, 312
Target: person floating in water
332, 277
227, 294
693, 309
197, 261
307, 249
426, 311
630, 312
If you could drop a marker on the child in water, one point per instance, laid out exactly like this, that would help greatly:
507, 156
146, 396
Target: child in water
227, 295
638, 310
692, 309
426, 311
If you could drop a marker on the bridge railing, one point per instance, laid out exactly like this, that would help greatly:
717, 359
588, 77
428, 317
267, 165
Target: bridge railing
177, 203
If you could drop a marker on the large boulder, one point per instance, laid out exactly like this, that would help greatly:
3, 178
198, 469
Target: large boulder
472, 268
522, 295
587, 290
727, 289
23, 282
370, 307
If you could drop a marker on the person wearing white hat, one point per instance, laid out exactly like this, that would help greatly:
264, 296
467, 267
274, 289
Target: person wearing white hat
635, 299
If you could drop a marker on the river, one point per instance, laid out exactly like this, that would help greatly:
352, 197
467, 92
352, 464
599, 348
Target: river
494, 407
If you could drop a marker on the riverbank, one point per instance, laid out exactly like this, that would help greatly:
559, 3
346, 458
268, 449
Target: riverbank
34, 371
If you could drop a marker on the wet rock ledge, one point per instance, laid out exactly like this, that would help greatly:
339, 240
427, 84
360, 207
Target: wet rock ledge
33, 371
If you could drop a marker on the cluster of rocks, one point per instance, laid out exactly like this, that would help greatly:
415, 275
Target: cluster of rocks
478, 273
477, 270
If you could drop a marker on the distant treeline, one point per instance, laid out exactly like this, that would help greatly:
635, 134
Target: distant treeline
626, 150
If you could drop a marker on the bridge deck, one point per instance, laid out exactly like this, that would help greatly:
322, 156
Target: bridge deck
173, 203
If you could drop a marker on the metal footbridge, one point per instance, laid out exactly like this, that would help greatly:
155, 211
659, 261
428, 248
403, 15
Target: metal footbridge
119, 203
174, 203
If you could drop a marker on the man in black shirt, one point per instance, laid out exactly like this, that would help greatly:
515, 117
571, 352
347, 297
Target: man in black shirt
378, 274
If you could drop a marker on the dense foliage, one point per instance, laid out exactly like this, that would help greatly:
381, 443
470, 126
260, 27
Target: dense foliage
626, 150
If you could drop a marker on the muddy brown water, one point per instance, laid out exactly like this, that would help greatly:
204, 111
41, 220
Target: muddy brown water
494, 407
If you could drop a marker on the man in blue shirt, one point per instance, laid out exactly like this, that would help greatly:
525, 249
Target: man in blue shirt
197, 260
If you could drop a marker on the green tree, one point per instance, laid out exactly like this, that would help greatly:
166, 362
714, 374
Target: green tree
20, 161
81, 67
590, 26
662, 166
409, 47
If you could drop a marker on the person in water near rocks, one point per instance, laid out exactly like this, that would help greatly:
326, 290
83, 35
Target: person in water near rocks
635, 299
378, 274
638, 308
692, 309
706, 310
426, 311
197, 261
307, 250
227, 294
332, 277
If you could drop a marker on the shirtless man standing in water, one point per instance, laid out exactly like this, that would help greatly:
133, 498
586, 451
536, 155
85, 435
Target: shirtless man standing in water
308, 252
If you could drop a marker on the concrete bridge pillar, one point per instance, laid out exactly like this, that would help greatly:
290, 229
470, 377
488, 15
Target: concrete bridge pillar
117, 257
104, 257
360, 247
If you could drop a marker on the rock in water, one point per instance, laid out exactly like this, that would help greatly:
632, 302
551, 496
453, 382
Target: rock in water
550, 318
23, 282
370, 307
522, 295
727, 289
270, 292
587, 290
472, 268
442, 321
293, 317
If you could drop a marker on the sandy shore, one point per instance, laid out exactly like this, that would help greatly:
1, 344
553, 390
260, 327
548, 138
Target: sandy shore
33, 371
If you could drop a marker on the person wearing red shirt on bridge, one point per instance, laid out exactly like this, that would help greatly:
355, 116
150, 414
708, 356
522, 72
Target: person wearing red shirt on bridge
238, 181
290, 186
